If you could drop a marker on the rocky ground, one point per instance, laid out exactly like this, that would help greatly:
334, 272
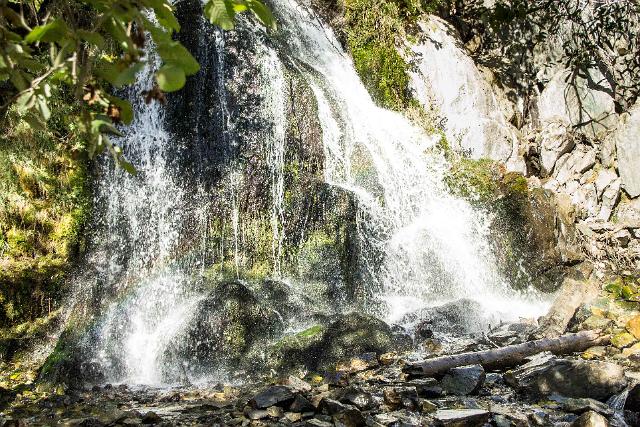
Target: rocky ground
598, 387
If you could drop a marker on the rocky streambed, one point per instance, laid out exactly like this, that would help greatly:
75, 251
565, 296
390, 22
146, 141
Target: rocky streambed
593, 388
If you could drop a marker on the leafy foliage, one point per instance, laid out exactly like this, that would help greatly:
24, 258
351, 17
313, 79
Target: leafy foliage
90, 45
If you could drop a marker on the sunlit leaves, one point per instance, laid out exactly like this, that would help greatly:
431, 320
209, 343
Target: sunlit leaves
89, 57
171, 78
222, 12
54, 31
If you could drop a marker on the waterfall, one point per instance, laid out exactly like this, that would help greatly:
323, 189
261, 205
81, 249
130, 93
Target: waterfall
149, 251
434, 245
146, 246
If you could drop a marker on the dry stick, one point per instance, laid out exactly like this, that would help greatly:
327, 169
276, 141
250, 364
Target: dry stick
511, 354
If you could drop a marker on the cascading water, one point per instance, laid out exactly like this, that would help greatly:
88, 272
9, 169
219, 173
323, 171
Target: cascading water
421, 246
433, 244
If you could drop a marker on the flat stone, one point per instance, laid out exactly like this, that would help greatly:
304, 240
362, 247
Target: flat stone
275, 395
461, 417
544, 376
463, 380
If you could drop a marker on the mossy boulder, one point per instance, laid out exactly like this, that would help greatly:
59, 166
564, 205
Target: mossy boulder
320, 347
225, 325
531, 231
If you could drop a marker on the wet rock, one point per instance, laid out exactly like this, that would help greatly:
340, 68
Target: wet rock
545, 375
633, 399
461, 417
463, 380
458, 317
275, 395
590, 419
226, 324
321, 347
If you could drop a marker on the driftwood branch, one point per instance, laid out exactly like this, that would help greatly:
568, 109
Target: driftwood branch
510, 355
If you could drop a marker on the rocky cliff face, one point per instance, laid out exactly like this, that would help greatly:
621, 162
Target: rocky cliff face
572, 131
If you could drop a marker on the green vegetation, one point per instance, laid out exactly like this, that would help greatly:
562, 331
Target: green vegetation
87, 47
44, 201
374, 30
625, 288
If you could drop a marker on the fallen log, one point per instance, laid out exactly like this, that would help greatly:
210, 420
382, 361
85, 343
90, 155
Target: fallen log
510, 355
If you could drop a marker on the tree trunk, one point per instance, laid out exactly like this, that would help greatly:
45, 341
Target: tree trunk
509, 355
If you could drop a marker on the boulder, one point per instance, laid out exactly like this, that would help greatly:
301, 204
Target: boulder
626, 136
546, 375
590, 419
225, 325
321, 347
463, 380
583, 102
459, 317
275, 395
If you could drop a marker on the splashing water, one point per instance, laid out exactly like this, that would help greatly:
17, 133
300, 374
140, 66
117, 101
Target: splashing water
434, 245
423, 247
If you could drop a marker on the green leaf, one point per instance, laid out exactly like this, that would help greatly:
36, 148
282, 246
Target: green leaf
124, 164
170, 78
174, 53
164, 14
92, 38
220, 13
126, 111
26, 101
102, 124
116, 75
43, 107
52, 32
263, 13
